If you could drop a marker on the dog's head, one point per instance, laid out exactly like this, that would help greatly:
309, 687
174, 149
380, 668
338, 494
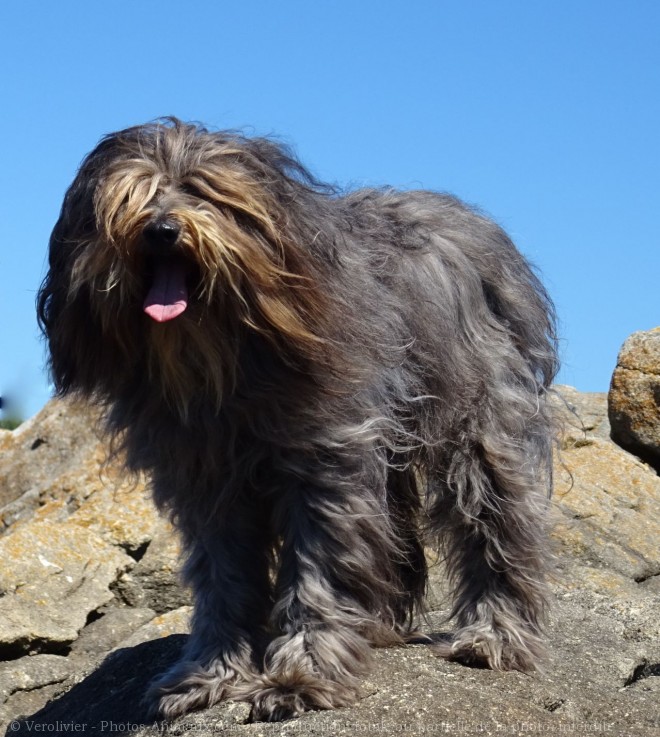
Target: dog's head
172, 241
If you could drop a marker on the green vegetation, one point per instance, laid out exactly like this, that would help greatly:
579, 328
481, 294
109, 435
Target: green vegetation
10, 423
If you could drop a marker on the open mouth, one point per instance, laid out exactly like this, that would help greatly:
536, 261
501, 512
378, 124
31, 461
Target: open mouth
167, 295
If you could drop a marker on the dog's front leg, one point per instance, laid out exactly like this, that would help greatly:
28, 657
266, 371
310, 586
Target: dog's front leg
227, 569
334, 593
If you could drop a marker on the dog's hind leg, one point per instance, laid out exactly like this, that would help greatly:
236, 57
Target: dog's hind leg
488, 507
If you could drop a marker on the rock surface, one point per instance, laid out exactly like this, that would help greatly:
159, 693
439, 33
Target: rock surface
634, 397
90, 609
60, 443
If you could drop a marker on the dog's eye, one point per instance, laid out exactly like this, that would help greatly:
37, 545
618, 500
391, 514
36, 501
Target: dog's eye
190, 189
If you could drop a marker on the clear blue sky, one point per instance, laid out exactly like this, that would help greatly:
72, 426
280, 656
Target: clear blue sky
546, 114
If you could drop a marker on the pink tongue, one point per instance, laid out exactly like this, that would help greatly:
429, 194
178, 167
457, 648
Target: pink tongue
168, 296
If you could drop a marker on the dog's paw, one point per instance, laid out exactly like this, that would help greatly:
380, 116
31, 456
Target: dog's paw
276, 697
491, 647
277, 703
188, 687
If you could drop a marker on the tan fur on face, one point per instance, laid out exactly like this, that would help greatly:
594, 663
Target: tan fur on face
232, 230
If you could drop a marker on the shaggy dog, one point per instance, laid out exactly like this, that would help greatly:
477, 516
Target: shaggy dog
318, 385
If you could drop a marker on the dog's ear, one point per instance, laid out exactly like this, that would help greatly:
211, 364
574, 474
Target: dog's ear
80, 349
67, 324
65, 314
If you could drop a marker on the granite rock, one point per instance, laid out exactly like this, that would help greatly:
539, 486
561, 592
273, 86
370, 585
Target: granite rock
634, 397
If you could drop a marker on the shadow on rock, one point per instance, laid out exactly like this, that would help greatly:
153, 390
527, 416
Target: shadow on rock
109, 699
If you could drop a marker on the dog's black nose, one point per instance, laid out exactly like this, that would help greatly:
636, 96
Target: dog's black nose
161, 233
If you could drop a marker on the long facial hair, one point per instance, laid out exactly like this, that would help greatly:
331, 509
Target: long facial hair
245, 269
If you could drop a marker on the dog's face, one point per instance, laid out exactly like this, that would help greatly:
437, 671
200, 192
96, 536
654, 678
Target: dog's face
171, 241
160, 214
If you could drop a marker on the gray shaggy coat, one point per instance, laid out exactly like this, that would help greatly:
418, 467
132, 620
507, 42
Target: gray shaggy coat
318, 385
